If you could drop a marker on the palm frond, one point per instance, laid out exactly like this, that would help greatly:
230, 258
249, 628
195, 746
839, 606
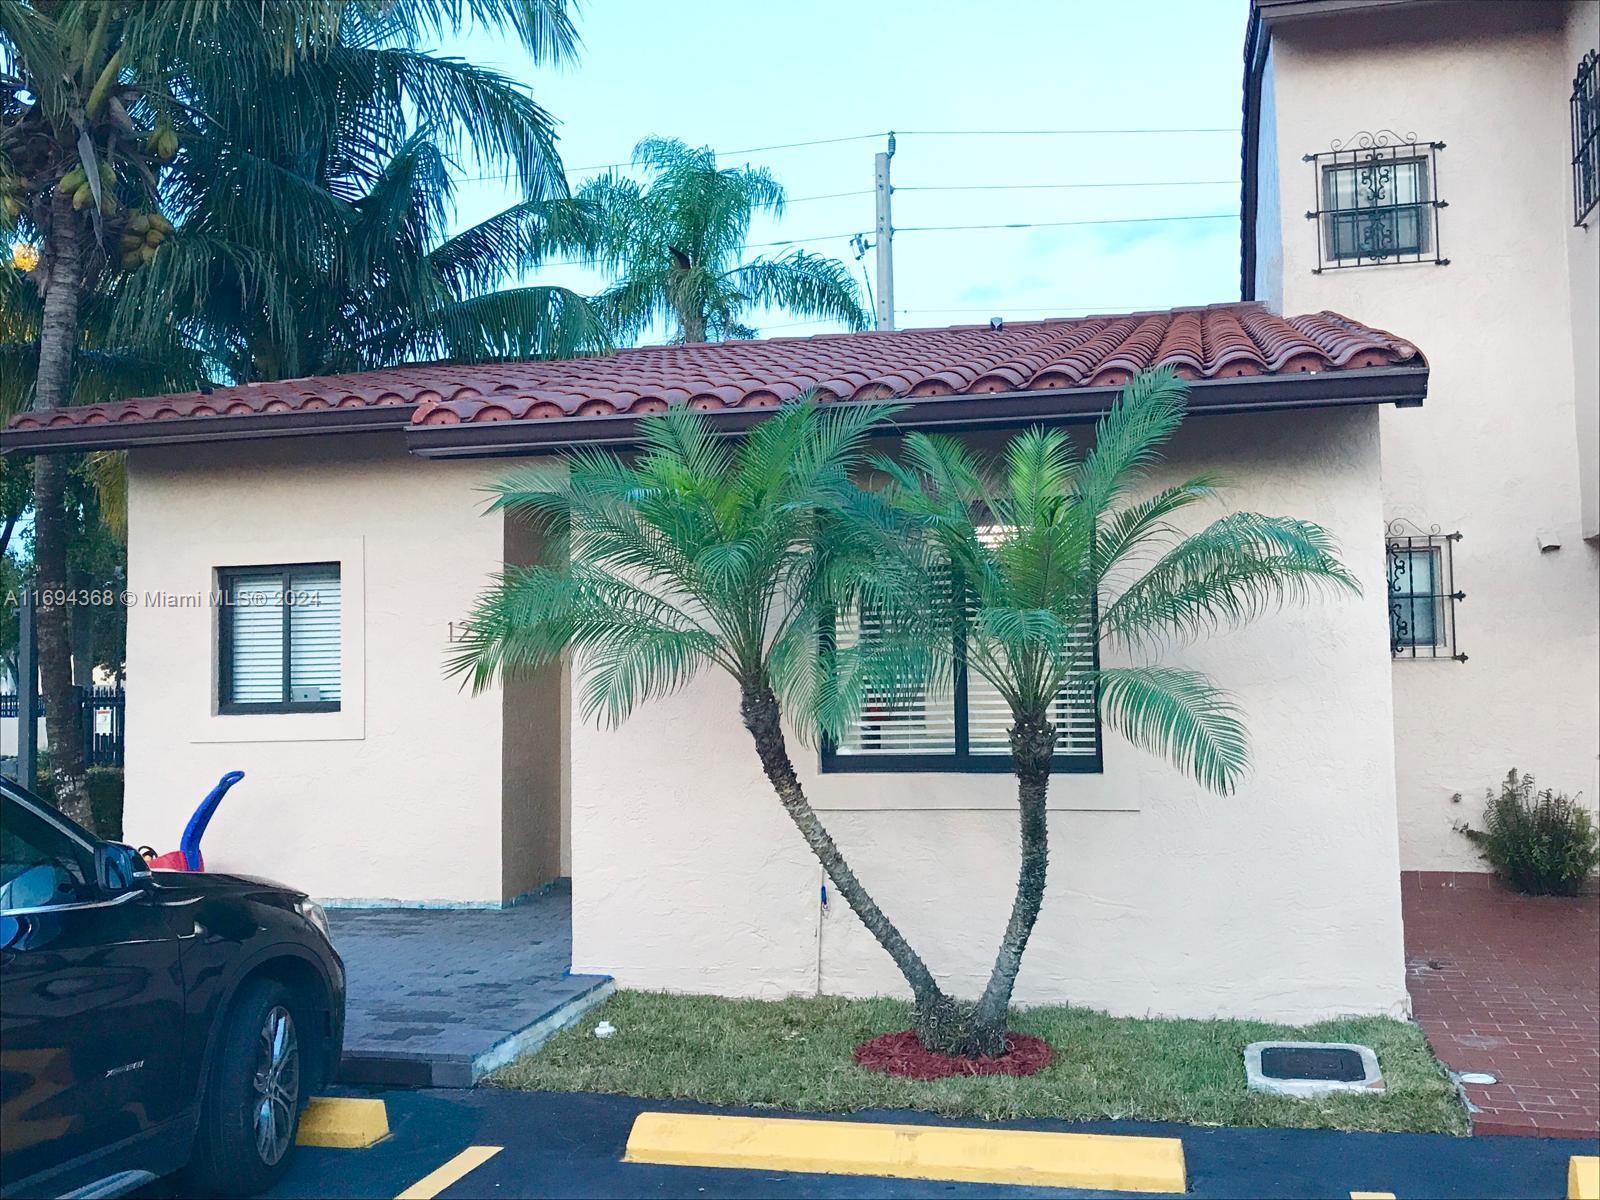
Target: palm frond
1181, 716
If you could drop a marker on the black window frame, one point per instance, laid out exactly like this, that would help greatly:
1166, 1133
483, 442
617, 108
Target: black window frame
961, 761
226, 579
1373, 159
1585, 113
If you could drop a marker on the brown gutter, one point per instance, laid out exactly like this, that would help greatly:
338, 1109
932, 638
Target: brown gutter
1257, 39
169, 431
1405, 386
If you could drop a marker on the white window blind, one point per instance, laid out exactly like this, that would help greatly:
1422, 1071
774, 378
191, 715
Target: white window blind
281, 637
903, 720
917, 721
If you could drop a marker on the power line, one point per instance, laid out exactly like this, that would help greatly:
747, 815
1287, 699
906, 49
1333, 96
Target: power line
1054, 132
1028, 187
1058, 224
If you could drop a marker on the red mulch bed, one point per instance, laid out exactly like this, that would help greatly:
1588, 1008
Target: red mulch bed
902, 1054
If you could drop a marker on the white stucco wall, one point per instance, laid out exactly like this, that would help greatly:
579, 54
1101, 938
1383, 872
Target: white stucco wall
1280, 902
399, 795
1493, 453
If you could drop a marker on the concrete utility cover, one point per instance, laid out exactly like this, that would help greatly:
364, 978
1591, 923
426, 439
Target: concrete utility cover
1306, 1069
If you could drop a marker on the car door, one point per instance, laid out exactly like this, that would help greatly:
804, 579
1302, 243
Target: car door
91, 1000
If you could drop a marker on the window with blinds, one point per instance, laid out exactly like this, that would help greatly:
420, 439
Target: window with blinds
279, 634
962, 725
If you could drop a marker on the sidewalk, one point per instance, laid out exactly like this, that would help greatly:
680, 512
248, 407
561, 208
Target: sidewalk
1508, 984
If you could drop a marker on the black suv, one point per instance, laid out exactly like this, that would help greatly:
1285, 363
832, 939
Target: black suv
151, 1022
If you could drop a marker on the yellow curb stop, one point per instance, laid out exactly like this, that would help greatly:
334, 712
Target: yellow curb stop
1371, 1196
1081, 1160
431, 1184
343, 1123
1583, 1178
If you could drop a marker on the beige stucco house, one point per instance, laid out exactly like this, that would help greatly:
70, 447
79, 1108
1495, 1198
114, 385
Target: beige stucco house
375, 779
1478, 124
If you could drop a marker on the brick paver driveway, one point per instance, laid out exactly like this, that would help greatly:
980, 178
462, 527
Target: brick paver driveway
1510, 985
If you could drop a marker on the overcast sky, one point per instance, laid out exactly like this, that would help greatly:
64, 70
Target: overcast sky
737, 74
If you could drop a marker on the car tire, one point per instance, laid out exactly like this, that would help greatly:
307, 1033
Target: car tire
250, 1111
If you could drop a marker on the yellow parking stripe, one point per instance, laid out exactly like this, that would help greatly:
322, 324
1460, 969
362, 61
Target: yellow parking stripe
431, 1184
343, 1122
1371, 1196
1081, 1160
1583, 1178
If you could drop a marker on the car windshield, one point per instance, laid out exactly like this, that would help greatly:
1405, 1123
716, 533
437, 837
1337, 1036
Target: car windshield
41, 864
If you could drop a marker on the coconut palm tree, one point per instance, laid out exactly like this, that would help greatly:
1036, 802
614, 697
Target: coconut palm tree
676, 242
700, 556
102, 121
1056, 554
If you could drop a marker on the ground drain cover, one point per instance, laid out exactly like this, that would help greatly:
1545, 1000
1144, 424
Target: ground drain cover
1311, 1068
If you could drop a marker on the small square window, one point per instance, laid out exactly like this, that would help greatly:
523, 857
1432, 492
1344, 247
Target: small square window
1377, 210
1414, 597
279, 639
1377, 202
1422, 593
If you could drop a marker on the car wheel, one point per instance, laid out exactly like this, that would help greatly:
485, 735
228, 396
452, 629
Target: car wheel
251, 1109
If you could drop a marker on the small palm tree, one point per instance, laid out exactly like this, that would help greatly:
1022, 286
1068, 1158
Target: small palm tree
700, 556
1046, 546
677, 241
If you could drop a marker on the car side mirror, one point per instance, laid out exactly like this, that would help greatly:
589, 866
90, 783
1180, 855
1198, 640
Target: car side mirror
117, 867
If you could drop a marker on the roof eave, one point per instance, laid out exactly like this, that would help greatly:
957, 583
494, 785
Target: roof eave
172, 431
1405, 386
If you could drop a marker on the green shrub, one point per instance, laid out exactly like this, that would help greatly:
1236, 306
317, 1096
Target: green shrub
1543, 843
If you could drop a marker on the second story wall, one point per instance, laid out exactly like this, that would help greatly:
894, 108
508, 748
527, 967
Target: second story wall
1509, 331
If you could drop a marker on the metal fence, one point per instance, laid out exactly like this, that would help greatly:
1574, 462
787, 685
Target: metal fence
101, 710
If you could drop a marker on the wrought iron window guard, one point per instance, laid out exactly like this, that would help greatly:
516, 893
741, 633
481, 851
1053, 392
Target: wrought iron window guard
1422, 592
1377, 201
1585, 138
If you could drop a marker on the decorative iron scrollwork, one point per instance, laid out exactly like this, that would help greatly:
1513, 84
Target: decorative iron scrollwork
1585, 138
1377, 201
1422, 591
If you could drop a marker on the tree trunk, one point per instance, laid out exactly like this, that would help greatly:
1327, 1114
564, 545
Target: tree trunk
58, 339
1032, 748
759, 707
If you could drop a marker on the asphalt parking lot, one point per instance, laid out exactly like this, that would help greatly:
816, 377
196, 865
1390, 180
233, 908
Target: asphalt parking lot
554, 1144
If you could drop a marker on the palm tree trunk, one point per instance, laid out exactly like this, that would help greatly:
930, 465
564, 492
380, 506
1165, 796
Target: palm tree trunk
1032, 748
58, 337
759, 707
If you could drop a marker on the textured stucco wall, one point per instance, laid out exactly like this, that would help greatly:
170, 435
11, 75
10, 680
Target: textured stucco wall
398, 796
1493, 453
1279, 902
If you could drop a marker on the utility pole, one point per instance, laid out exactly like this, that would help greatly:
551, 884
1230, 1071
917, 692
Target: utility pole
884, 239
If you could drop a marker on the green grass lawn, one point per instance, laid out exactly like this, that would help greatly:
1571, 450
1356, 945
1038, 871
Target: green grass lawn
796, 1054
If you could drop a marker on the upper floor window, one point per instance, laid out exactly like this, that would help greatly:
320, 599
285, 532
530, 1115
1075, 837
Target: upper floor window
1585, 139
279, 639
1376, 202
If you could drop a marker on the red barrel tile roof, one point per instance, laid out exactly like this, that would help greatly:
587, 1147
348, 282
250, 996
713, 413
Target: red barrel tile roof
1214, 342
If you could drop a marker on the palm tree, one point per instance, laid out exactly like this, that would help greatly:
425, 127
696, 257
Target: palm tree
695, 557
321, 246
677, 244
1047, 546
103, 118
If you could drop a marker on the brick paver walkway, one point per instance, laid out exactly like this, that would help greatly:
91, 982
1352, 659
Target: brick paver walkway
1510, 985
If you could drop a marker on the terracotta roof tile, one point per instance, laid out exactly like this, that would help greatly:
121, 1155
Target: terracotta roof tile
1217, 341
